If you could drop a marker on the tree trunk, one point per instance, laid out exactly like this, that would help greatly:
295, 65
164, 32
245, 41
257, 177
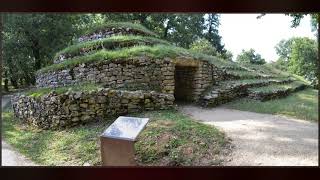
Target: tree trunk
14, 83
6, 86
28, 79
166, 30
21, 82
36, 54
142, 18
6, 81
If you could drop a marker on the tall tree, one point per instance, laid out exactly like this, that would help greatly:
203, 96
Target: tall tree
299, 55
283, 49
31, 40
212, 33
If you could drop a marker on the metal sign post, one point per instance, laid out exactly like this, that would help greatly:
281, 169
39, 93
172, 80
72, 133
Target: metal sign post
117, 141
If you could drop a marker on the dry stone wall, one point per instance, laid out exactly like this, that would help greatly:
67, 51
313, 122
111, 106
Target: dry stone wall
205, 77
71, 108
142, 73
222, 93
265, 96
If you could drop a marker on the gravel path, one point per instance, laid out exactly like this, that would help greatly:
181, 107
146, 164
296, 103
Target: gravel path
11, 157
263, 139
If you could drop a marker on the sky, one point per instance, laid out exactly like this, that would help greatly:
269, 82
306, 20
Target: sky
245, 31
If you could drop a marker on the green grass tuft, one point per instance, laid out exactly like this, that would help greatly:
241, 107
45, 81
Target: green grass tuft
113, 42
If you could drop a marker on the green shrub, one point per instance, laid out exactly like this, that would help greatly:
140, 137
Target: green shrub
203, 46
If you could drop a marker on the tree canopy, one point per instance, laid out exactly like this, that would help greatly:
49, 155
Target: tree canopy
299, 55
250, 56
31, 40
203, 46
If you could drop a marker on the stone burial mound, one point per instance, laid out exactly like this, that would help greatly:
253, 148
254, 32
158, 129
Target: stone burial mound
120, 68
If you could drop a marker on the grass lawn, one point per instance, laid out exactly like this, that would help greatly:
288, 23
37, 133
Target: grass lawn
301, 105
170, 138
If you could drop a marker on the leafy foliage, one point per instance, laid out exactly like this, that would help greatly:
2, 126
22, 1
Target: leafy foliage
250, 56
300, 56
30, 41
227, 56
203, 46
297, 17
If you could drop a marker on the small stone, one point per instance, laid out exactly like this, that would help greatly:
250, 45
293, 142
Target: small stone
83, 105
85, 118
101, 99
75, 119
74, 107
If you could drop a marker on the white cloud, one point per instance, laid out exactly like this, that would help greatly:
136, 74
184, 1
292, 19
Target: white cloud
245, 31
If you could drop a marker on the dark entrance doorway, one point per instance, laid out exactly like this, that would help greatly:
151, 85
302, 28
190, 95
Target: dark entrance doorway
184, 83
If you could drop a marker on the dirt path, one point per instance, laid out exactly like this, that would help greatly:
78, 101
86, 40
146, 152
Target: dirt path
10, 157
262, 139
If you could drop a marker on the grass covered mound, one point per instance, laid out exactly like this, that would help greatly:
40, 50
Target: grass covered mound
170, 138
110, 43
120, 25
301, 105
173, 139
154, 52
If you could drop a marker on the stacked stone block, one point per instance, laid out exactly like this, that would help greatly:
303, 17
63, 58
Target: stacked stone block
71, 108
